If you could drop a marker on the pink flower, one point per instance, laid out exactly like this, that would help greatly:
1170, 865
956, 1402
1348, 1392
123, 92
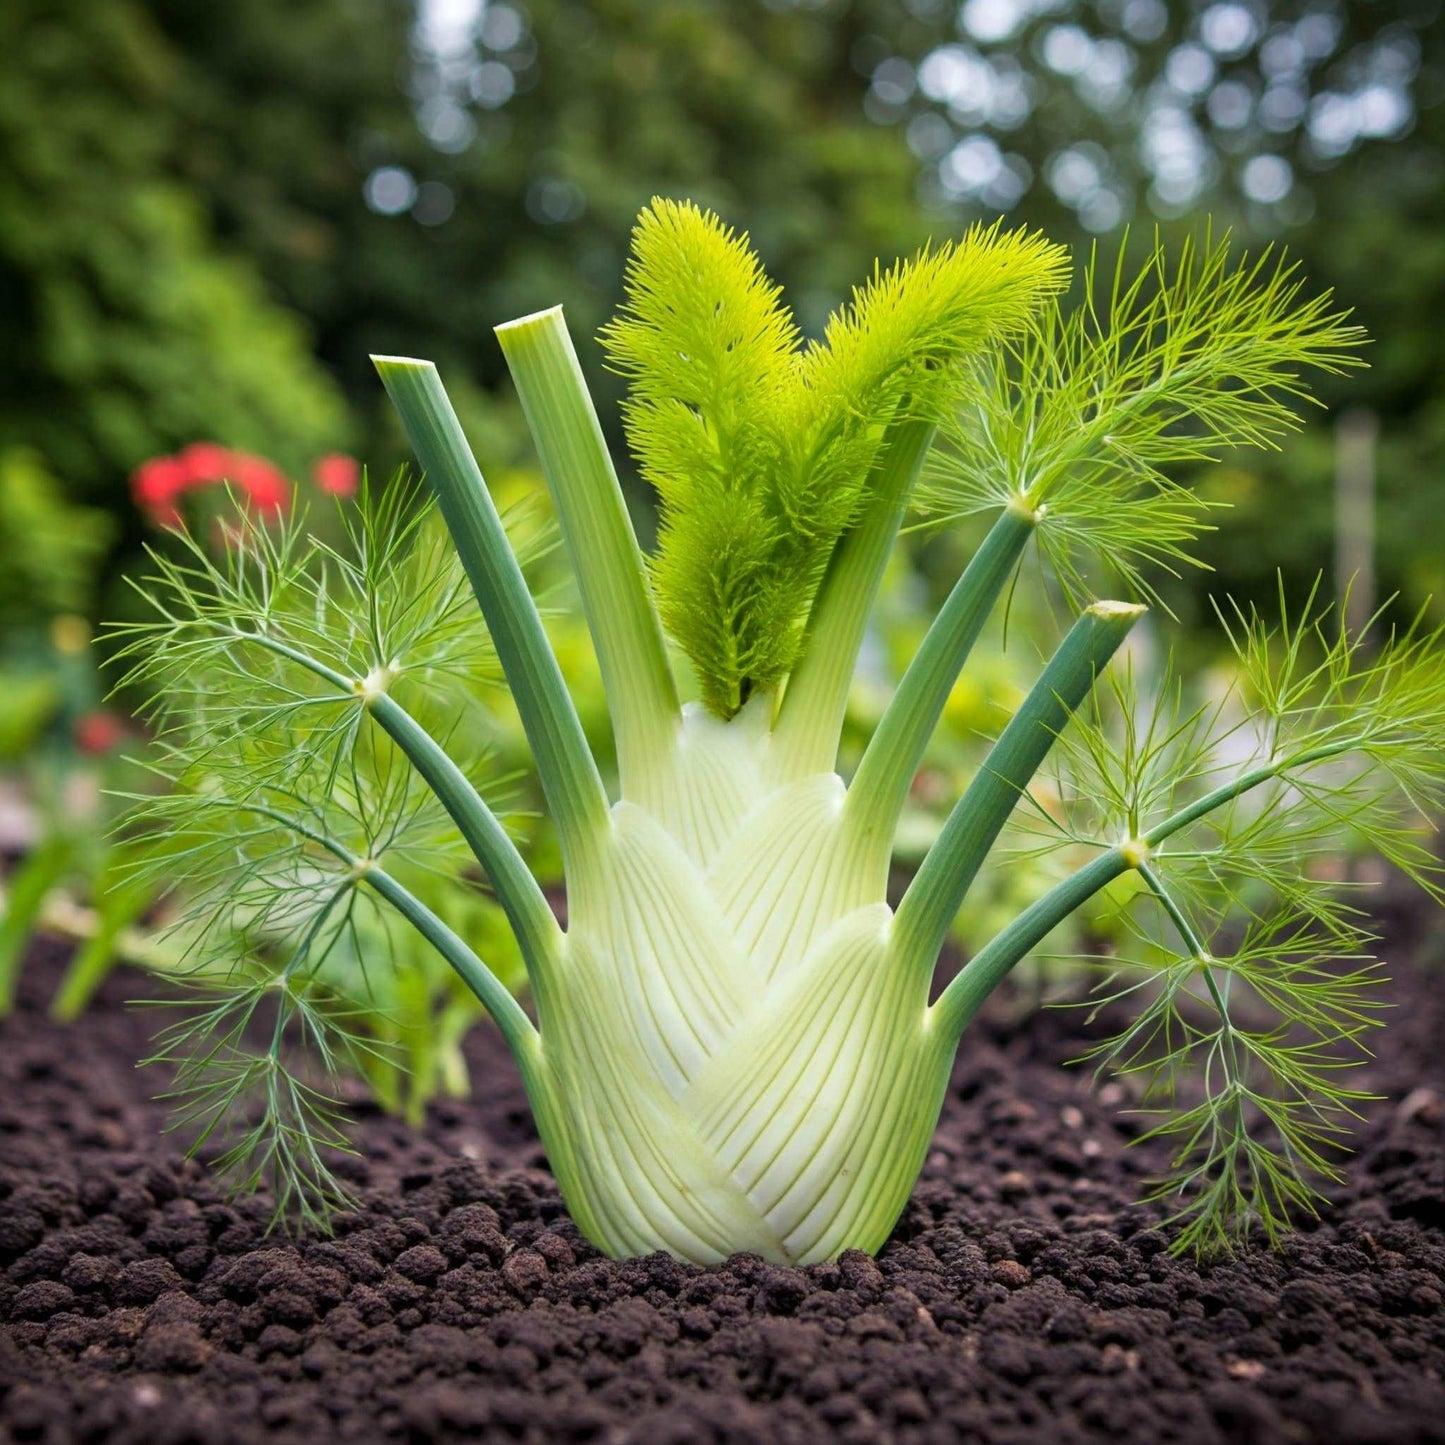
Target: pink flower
262, 481
206, 462
337, 473
155, 485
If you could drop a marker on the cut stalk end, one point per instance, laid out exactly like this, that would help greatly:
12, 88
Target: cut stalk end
1117, 611
600, 542
544, 317
381, 363
565, 765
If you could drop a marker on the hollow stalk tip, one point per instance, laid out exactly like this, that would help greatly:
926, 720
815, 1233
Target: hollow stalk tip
548, 314
598, 535
568, 773
1116, 611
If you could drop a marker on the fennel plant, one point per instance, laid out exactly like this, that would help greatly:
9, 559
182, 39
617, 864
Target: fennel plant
734, 1045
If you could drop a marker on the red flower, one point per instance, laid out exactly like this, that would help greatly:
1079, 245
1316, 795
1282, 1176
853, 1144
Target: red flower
206, 462
262, 481
155, 485
337, 473
98, 731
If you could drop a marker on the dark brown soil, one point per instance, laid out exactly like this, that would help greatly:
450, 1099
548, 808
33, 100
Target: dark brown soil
1022, 1298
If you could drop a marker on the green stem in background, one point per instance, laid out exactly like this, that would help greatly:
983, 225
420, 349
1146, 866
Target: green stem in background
21, 904
961, 1000
600, 541
810, 720
576, 799
938, 889
879, 789
103, 934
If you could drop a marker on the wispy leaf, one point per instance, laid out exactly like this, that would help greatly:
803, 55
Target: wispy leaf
1093, 415
1249, 988
278, 793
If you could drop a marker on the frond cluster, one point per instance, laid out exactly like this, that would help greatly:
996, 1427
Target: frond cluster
260, 638
759, 447
1085, 417
1355, 724
1253, 983
280, 796
1239, 1056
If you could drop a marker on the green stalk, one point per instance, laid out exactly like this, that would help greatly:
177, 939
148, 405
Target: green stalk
600, 542
810, 719
879, 789
1218, 992
575, 796
961, 1000
1192, 941
1228, 792
516, 1028
964, 996
522, 900
938, 889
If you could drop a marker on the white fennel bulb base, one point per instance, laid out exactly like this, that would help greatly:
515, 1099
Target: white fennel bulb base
733, 1060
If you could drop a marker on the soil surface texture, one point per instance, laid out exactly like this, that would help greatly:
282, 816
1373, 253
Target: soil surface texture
1023, 1296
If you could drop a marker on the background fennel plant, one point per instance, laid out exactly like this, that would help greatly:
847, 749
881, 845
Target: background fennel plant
734, 1046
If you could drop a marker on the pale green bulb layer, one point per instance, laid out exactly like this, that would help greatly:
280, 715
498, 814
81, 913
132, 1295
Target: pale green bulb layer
729, 1061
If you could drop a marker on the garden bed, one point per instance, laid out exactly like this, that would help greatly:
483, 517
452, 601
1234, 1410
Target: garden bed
1023, 1297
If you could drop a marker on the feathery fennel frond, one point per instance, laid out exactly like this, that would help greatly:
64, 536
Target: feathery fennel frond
287, 614
1239, 1053
902, 337
1084, 418
703, 327
761, 450
280, 950
1255, 986
707, 347
285, 805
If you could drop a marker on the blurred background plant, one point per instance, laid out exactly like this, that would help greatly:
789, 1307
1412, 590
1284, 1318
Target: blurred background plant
207, 223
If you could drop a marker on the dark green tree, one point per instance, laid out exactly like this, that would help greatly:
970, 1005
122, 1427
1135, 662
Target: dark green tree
446, 178
127, 329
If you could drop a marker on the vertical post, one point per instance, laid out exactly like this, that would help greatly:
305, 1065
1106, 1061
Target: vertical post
1356, 433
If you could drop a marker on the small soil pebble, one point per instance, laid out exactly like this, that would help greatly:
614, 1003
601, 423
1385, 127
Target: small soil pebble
1025, 1295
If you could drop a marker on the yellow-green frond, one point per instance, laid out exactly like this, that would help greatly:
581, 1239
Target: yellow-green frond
903, 331
701, 323
761, 450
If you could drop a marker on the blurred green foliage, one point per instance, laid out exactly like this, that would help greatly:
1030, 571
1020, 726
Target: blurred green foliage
127, 328
49, 548
210, 214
